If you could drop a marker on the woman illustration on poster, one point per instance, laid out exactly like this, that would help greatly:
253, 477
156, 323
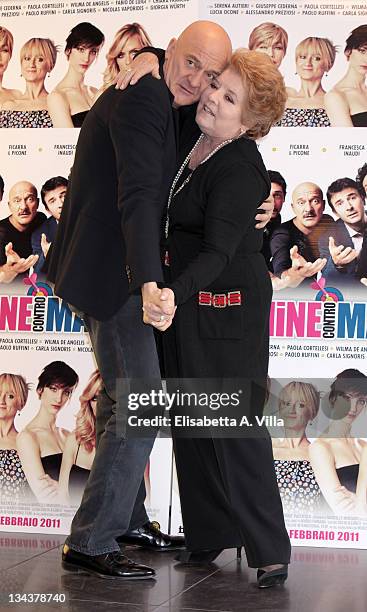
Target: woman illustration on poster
346, 103
13, 397
71, 99
6, 51
29, 110
40, 444
306, 107
298, 406
336, 456
271, 39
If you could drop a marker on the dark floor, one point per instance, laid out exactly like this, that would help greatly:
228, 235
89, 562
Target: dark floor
321, 580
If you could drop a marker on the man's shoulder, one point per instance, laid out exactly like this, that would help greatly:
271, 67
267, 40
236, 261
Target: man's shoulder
284, 229
4, 223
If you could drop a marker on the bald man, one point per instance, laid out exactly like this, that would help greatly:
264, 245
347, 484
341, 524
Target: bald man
105, 262
302, 232
17, 230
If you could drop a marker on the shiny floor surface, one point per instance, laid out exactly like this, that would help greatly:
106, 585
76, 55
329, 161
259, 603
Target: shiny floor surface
320, 580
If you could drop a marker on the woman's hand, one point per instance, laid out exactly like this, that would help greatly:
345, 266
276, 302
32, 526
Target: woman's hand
142, 64
159, 308
265, 215
49, 488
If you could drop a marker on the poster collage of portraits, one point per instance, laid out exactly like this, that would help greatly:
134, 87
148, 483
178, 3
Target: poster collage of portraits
56, 58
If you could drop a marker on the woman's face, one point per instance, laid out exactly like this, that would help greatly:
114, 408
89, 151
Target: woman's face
8, 402
310, 66
128, 51
55, 397
82, 57
295, 413
5, 56
219, 112
348, 406
274, 50
358, 59
34, 66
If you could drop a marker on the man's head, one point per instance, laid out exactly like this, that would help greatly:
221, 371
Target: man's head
199, 54
53, 195
278, 191
308, 206
23, 204
1, 188
347, 201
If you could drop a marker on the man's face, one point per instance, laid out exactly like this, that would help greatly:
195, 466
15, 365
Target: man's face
349, 206
191, 64
54, 200
277, 194
308, 205
23, 204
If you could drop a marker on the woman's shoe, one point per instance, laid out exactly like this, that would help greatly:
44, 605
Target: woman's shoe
199, 557
272, 578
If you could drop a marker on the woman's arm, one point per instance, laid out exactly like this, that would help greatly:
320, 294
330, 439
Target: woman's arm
43, 487
234, 196
68, 459
340, 500
361, 491
59, 110
337, 108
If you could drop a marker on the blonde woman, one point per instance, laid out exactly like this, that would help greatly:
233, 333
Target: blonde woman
306, 107
71, 99
298, 406
29, 110
13, 397
80, 446
336, 456
6, 51
271, 39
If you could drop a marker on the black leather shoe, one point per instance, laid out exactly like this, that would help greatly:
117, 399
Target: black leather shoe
199, 557
150, 536
110, 565
272, 578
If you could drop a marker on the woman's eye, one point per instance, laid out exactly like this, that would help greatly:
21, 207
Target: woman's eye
229, 99
121, 55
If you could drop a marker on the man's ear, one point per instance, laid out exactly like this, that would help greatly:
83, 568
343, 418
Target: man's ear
171, 48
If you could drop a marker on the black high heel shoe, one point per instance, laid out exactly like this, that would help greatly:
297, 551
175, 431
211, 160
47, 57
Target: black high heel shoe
199, 557
272, 578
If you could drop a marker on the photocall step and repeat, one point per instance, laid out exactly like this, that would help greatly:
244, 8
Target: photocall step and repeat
316, 157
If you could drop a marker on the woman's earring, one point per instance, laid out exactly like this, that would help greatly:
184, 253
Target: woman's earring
18, 413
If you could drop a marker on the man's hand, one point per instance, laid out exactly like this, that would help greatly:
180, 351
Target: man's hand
45, 245
158, 306
341, 256
265, 215
145, 63
279, 283
301, 268
14, 264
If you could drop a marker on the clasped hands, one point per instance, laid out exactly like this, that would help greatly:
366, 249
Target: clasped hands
158, 306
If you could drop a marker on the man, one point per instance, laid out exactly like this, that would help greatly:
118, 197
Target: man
342, 243
300, 234
106, 251
52, 195
276, 197
16, 231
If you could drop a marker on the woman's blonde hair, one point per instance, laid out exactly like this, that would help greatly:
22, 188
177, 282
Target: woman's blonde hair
19, 386
319, 46
265, 91
302, 392
268, 33
44, 46
85, 426
6, 38
121, 37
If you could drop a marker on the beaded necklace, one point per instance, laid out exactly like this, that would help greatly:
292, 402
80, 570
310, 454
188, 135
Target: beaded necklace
173, 193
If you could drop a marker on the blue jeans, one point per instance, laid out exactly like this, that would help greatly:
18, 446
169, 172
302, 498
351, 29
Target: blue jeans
113, 500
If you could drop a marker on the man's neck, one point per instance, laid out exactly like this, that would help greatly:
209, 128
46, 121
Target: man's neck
357, 227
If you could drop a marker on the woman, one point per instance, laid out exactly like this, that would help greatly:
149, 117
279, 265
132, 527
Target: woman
361, 179
346, 103
336, 456
306, 107
41, 443
13, 397
298, 405
29, 110
271, 39
223, 292
80, 446
6, 50
127, 42
71, 99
